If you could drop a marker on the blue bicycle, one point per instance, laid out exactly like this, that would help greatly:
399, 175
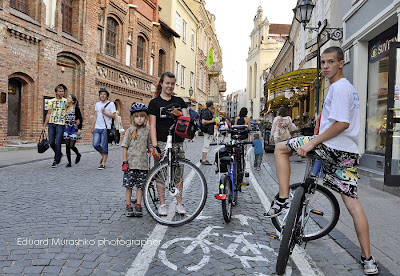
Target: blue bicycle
230, 161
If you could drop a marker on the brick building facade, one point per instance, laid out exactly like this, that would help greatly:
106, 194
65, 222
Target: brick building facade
84, 44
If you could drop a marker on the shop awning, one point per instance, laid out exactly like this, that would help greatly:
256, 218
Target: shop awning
298, 78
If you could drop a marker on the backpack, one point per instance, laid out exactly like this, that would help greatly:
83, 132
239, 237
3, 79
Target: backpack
203, 128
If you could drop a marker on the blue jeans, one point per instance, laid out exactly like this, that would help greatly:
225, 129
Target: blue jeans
56, 134
257, 160
100, 140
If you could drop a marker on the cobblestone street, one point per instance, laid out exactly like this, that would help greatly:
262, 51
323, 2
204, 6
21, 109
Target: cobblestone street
71, 221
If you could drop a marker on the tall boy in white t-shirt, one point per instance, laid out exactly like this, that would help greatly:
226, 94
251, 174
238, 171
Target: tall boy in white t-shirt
337, 146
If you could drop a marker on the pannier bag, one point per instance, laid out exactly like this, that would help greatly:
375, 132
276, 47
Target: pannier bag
239, 133
223, 164
185, 127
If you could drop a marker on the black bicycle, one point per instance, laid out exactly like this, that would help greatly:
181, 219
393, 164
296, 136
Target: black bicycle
174, 181
313, 213
230, 161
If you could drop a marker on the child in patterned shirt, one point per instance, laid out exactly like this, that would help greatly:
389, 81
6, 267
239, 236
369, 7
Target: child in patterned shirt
135, 159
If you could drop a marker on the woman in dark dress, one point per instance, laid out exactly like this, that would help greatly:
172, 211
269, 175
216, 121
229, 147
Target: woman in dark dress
73, 127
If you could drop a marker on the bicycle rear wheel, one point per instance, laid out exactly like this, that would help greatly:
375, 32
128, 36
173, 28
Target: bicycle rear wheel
227, 203
190, 188
291, 231
323, 210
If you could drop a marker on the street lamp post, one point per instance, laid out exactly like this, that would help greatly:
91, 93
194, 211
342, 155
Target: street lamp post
324, 34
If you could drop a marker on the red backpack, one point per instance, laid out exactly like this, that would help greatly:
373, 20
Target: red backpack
185, 127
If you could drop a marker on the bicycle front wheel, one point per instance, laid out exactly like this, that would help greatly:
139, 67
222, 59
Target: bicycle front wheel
182, 184
323, 213
291, 231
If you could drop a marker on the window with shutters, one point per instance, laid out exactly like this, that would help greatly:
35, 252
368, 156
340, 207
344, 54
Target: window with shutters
66, 11
21, 5
140, 52
111, 37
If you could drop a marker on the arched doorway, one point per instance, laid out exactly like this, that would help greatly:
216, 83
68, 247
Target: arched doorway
14, 107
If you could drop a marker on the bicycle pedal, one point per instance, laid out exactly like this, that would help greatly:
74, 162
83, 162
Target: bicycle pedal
245, 184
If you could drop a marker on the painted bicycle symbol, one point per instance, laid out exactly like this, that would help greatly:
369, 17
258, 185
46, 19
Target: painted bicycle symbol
240, 245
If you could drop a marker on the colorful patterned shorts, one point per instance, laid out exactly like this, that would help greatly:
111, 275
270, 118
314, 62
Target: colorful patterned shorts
134, 178
338, 166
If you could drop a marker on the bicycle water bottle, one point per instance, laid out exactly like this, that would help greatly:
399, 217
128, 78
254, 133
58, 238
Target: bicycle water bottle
169, 141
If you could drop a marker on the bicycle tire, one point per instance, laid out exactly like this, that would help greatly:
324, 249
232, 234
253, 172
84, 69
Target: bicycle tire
227, 203
194, 194
325, 215
290, 231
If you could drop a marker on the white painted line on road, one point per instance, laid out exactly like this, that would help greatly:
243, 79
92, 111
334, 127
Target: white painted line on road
143, 259
303, 262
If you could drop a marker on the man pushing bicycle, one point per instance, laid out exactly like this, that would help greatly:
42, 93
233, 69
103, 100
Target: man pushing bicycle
337, 146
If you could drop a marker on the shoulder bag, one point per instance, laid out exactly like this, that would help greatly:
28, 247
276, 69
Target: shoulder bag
111, 132
43, 143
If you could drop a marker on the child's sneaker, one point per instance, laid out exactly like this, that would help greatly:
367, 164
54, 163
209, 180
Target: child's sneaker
180, 209
129, 211
370, 265
277, 208
138, 211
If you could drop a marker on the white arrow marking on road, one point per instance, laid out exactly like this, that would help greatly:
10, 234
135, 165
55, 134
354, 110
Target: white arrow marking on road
243, 219
200, 216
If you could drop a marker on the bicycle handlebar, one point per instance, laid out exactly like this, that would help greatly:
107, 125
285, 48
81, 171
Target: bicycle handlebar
229, 144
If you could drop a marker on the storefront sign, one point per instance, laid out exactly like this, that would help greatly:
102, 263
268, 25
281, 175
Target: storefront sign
380, 49
396, 92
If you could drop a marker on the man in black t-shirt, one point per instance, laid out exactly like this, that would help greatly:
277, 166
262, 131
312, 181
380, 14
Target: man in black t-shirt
208, 120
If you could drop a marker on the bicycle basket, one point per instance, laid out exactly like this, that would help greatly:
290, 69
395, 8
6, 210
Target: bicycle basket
223, 164
185, 127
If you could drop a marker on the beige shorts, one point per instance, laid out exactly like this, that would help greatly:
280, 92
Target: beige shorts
179, 172
208, 139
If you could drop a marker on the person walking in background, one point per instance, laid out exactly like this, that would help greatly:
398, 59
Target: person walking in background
222, 128
73, 127
118, 127
55, 120
135, 160
104, 113
159, 126
258, 151
337, 145
207, 120
242, 119
282, 126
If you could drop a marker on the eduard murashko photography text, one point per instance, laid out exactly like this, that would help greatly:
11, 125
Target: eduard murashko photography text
86, 242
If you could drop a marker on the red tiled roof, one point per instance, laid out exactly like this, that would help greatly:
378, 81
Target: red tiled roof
282, 29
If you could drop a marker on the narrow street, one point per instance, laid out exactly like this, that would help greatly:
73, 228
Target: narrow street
71, 221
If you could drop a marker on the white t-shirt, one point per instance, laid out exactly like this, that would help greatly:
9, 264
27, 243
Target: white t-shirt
99, 120
342, 105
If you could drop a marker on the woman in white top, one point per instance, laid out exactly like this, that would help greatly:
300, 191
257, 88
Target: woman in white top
281, 127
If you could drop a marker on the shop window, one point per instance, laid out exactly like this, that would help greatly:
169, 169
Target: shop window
66, 11
378, 69
140, 52
111, 37
161, 62
21, 5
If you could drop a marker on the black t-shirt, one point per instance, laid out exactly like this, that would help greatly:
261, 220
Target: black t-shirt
207, 115
163, 123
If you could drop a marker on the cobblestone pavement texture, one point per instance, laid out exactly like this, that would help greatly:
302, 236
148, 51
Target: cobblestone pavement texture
71, 221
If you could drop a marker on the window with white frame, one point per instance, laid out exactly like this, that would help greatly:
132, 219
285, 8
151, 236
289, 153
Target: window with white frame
191, 80
178, 23
184, 30
193, 37
176, 72
183, 76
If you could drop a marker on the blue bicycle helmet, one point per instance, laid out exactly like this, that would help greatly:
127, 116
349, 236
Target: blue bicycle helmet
138, 107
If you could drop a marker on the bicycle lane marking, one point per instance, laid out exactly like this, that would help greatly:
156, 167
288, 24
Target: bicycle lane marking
143, 259
302, 260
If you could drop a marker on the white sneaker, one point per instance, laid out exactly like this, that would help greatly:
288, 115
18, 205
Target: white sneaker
370, 266
162, 211
180, 209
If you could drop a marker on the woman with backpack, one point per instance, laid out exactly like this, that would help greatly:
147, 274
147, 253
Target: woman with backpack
242, 119
282, 127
